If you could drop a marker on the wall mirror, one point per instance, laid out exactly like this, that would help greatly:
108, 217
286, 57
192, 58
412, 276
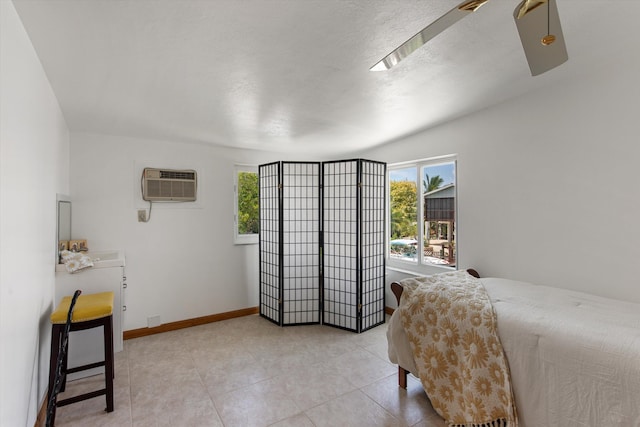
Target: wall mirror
64, 224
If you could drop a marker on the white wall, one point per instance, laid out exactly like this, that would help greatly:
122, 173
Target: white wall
547, 184
183, 263
34, 150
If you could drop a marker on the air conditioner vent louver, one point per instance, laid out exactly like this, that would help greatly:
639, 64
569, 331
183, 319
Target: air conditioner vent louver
167, 185
170, 174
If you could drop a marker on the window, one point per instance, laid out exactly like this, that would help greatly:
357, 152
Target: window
246, 215
422, 214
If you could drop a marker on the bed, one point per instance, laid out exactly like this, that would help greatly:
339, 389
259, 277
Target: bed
574, 358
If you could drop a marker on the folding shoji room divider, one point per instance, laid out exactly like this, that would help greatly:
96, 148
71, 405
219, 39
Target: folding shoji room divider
322, 243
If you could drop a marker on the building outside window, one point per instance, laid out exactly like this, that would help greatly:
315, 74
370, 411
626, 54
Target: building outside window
422, 213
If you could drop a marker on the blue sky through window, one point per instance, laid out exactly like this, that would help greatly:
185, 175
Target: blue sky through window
445, 170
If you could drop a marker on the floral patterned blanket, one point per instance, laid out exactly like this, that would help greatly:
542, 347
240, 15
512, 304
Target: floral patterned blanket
452, 329
75, 261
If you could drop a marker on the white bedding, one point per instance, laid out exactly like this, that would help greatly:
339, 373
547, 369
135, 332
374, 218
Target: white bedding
574, 357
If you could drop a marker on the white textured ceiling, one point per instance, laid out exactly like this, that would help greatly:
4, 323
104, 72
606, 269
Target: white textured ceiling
293, 75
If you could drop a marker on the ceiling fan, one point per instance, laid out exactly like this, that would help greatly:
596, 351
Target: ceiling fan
537, 21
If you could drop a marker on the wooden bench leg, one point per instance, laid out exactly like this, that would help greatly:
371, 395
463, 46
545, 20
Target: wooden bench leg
402, 377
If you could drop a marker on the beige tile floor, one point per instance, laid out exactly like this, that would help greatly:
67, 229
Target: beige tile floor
250, 372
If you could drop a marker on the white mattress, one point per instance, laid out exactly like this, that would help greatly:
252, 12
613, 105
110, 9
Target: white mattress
574, 357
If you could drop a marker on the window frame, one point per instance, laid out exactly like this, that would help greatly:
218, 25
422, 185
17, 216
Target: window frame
241, 239
419, 266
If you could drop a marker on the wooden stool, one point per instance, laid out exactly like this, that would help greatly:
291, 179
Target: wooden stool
90, 311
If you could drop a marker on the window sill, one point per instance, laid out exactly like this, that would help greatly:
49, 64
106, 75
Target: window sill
415, 269
251, 239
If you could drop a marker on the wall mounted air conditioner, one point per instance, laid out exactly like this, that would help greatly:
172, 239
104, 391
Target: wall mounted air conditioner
169, 185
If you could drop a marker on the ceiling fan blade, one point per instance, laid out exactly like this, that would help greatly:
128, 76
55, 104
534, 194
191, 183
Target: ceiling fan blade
536, 21
429, 32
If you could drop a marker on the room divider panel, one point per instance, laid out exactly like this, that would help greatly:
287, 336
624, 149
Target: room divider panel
372, 235
290, 242
322, 243
270, 241
353, 243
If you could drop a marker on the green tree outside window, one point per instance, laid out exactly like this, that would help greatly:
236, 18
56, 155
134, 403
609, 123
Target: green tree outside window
248, 203
404, 208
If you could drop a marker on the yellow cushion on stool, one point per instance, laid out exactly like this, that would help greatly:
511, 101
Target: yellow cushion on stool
88, 307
